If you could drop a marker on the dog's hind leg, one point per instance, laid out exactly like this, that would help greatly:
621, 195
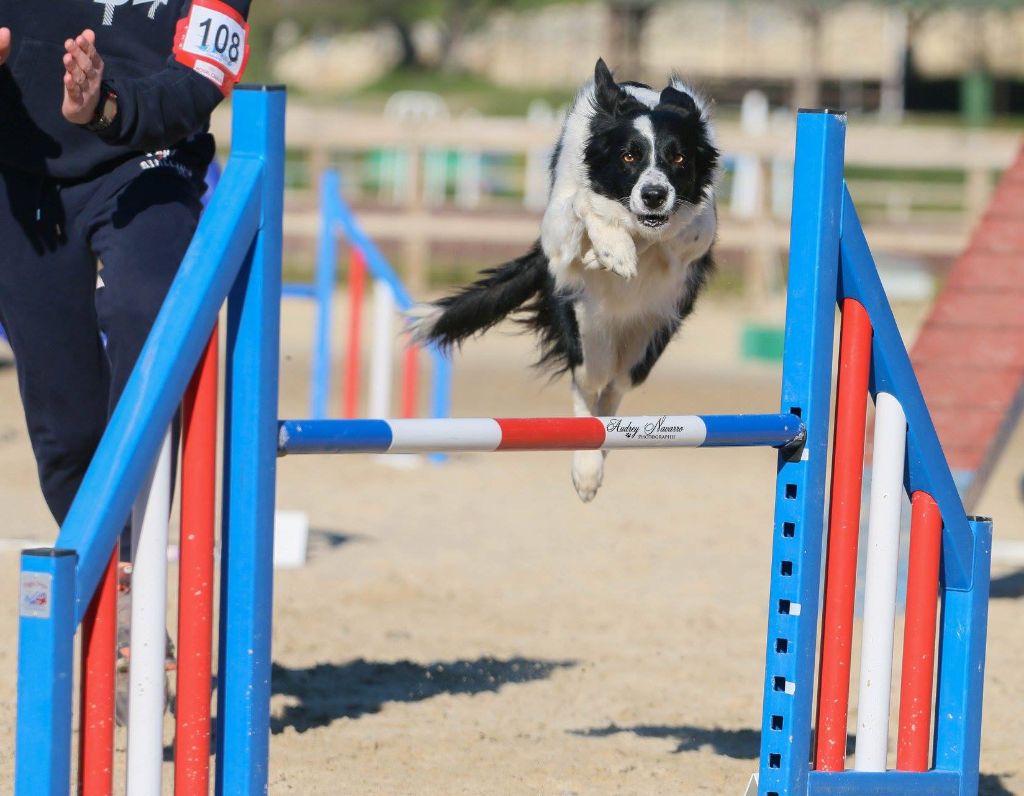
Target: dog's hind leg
588, 466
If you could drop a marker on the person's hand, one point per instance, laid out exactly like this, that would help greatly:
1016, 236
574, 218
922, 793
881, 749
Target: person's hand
83, 71
5, 45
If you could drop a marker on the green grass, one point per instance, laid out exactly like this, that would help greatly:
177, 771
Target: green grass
944, 176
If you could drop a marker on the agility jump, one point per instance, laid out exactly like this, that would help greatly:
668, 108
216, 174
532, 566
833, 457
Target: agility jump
236, 255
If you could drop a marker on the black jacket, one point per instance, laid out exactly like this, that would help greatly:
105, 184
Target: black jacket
161, 102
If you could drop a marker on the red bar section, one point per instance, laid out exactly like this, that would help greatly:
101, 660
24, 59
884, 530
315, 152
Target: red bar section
843, 532
919, 634
547, 433
99, 643
195, 578
356, 282
410, 379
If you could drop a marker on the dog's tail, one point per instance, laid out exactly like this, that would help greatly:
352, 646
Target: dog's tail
477, 307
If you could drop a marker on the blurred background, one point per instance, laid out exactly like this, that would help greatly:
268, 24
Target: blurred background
441, 115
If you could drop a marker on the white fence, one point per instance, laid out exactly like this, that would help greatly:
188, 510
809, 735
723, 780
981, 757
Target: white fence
431, 178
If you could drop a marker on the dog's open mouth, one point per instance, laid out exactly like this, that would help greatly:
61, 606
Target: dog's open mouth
653, 220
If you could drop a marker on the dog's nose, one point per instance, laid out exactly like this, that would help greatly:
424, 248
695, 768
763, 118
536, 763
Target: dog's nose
653, 196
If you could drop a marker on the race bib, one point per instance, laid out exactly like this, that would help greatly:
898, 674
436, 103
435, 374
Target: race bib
214, 41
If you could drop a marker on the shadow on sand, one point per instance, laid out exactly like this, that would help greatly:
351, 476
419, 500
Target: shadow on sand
330, 691
1008, 587
743, 745
992, 785
739, 744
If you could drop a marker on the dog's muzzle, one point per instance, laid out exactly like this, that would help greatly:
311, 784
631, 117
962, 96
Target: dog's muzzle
654, 196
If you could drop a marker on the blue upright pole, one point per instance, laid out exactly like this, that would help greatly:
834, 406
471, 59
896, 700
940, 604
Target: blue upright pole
961, 671
326, 262
247, 543
800, 485
46, 641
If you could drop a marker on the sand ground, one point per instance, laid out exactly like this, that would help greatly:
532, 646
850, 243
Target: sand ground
473, 628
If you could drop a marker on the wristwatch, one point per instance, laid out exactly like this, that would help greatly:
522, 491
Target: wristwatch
106, 109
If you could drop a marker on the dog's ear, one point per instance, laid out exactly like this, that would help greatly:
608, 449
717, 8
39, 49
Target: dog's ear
606, 90
672, 99
609, 96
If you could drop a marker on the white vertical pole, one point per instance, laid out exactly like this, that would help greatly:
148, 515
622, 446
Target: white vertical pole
148, 632
883, 548
535, 189
381, 360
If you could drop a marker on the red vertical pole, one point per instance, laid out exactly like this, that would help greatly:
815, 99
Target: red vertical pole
99, 642
410, 379
195, 577
919, 634
843, 532
356, 280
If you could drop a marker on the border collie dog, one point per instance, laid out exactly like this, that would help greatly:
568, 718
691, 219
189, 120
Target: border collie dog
624, 249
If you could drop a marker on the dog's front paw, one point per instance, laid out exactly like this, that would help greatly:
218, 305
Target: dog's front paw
587, 473
621, 263
612, 248
618, 257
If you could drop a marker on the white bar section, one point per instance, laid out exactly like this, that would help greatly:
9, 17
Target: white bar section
677, 431
883, 548
379, 404
148, 632
1008, 551
425, 435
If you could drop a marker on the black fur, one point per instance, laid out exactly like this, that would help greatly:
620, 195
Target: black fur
696, 278
526, 289
552, 317
609, 97
679, 130
522, 285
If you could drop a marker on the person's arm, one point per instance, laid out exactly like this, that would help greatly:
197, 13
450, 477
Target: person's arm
157, 111
5, 45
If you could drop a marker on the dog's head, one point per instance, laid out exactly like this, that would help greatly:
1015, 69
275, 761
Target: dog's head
650, 151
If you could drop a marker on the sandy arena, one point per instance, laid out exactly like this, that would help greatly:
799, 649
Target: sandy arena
473, 628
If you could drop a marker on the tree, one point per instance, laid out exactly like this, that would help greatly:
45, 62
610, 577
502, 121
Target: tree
807, 86
455, 18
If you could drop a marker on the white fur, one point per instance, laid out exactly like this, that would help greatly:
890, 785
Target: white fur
628, 278
652, 176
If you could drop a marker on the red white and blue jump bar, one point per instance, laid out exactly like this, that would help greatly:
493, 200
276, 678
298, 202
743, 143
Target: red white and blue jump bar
535, 434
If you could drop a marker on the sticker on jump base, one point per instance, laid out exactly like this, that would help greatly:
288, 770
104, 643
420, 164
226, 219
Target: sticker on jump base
622, 432
36, 589
213, 40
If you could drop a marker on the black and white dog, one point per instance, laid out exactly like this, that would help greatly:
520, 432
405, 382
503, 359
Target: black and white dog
624, 249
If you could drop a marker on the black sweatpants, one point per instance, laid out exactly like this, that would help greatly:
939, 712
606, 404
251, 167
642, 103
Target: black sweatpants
132, 226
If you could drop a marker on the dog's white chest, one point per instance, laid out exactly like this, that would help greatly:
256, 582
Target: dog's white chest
661, 281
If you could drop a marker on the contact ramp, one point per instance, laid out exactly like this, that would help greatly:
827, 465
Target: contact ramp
969, 356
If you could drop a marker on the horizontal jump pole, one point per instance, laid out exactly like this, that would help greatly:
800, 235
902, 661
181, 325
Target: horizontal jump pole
430, 435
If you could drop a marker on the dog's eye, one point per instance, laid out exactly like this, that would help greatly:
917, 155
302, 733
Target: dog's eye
628, 157
677, 160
